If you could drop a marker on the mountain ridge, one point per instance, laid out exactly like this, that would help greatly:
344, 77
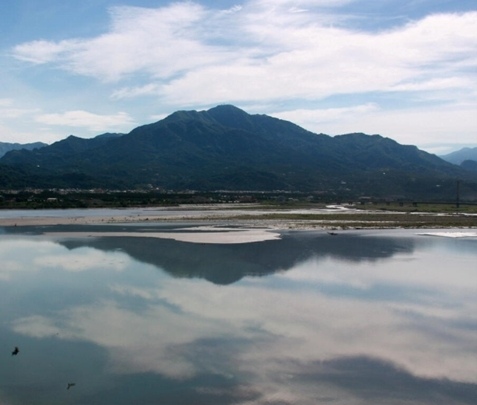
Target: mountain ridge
6, 147
459, 156
226, 148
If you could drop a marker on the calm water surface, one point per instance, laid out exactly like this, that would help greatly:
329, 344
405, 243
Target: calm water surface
375, 317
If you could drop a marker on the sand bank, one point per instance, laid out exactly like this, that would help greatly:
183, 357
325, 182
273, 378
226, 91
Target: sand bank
192, 235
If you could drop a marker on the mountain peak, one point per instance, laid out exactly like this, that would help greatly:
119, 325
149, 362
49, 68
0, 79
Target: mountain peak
225, 148
226, 108
183, 114
459, 156
227, 111
231, 116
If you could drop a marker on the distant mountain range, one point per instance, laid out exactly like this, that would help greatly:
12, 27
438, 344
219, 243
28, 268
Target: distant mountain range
7, 147
466, 157
225, 148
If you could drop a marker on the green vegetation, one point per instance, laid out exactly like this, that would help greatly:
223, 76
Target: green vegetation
54, 199
367, 214
225, 148
423, 207
368, 220
36, 199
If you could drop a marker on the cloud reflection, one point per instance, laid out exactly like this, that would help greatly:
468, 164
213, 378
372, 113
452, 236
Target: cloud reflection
29, 255
325, 331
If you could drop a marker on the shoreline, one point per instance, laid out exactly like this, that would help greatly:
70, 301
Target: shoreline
329, 218
221, 226
252, 222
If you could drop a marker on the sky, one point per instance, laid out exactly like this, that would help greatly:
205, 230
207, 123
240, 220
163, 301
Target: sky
404, 69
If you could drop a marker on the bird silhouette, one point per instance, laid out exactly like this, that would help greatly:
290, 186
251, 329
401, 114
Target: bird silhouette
70, 385
15, 351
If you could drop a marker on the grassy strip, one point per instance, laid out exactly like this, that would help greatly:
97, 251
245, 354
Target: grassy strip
369, 220
422, 207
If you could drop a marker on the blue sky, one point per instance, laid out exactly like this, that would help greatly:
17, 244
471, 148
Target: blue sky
403, 69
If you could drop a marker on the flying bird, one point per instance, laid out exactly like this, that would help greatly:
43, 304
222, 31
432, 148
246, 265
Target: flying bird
70, 385
15, 351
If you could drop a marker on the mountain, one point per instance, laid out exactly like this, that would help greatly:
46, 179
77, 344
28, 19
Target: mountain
226, 148
461, 155
6, 147
470, 165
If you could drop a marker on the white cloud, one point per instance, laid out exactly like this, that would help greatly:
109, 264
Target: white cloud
436, 84
269, 52
8, 110
314, 119
287, 59
39, 52
294, 4
10, 114
258, 46
85, 119
422, 126
160, 42
233, 9
132, 92
5, 102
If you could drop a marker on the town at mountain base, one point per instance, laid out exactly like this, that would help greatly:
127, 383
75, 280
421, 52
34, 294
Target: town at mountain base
225, 148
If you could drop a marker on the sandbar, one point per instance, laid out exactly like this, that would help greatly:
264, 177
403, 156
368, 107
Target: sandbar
220, 236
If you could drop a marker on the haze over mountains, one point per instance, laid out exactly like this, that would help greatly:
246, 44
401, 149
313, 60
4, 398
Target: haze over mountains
225, 148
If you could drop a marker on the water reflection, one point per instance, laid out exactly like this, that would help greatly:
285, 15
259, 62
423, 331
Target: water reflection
226, 264
354, 319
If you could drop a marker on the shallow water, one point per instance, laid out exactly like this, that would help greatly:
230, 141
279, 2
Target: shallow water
386, 317
161, 212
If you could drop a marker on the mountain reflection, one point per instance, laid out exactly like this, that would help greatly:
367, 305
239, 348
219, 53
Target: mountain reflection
227, 263
355, 319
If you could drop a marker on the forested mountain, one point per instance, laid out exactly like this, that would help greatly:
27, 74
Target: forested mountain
7, 147
461, 155
226, 148
470, 165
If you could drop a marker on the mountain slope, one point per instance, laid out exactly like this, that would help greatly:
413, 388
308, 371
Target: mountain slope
461, 155
470, 165
226, 148
7, 147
